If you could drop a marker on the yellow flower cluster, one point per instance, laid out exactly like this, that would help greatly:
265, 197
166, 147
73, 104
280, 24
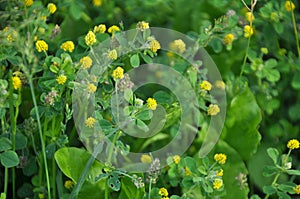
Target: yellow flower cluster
90, 122
100, 29
178, 46
297, 189
220, 173
176, 159
61, 79
220, 84
205, 85
228, 39
154, 46
113, 29
289, 6
118, 73
112, 54
51, 8
17, 83
249, 16
97, 3
163, 192
90, 38
220, 158
69, 184
68, 46
248, 31
146, 159
142, 26
218, 183
293, 144
151, 103
86, 62
28, 2
91, 88
213, 109
41, 45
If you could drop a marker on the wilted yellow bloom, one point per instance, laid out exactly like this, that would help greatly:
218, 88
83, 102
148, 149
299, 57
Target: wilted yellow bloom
205, 85
176, 159
51, 7
142, 25
97, 3
228, 39
154, 45
151, 103
28, 2
100, 29
90, 38
289, 6
218, 183
178, 45
220, 158
91, 88
90, 122
220, 84
41, 45
146, 158
68, 46
293, 144
17, 83
61, 79
86, 62
112, 54
248, 31
118, 73
69, 184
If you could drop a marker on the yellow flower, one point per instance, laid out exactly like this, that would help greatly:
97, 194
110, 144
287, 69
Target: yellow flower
218, 183
97, 3
163, 192
112, 54
41, 196
118, 73
187, 171
61, 79
293, 144
297, 189
154, 46
113, 29
17, 83
249, 16
248, 31
142, 25
101, 28
228, 39
41, 45
91, 88
86, 62
176, 159
51, 7
205, 85
68, 46
213, 109
264, 50
146, 158
151, 103
220, 158
220, 173
90, 38
28, 2
69, 184
90, 122
289, 6
178, 45
220, 84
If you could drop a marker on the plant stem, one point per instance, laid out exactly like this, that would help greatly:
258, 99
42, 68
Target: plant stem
112, 146
5, 180
106, 189
54, 177
40, 135
295, 30
149, 194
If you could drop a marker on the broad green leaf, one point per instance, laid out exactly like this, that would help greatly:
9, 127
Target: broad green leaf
129, 190
141, 125
135, 60
191, 164
146, 58
145, 115
287, 187
21, 141
273, 154
5, 144
296, 81
283, 195
293, 172
269, 170
9, 159
113, 181
75, 11
269, 190
255, 197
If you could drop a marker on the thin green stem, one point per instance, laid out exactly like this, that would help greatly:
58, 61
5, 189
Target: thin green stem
106, 190
54, 177
112, 146
40, 135
5, 180
295, 30
149, 191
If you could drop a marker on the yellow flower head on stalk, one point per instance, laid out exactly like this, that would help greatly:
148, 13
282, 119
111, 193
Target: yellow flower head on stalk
228, 39
41, 45
51, 7
220, 158
289, 6
163, 192
213, 109
154, 45
112, 54
142, 26
97, 3
28, 2
69, 184
205, 85
178, 45
220, 173
151, 103
91, 88
90, 122
220, 84
86, 62
68, 46
17, 83
146, 159
176, 159
113, 29
293, 144
90, 38
61, 79
248, 31
297, 189
218, 183
118, 73
249, 16
100, 29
